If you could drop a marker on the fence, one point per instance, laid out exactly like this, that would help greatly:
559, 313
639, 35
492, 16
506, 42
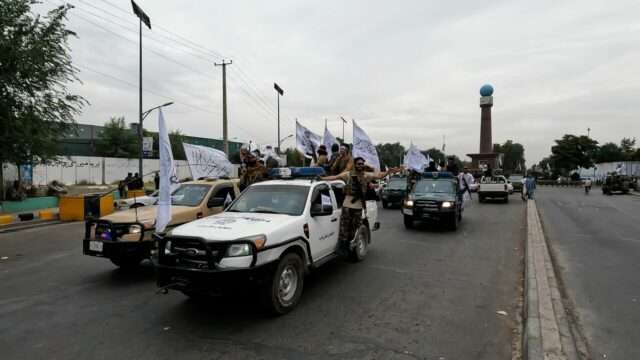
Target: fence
94, 170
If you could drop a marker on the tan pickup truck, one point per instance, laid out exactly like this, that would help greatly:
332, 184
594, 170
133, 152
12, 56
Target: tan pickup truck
125, 237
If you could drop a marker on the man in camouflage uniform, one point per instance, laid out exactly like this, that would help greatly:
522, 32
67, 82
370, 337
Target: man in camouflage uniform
356, 181
255, 172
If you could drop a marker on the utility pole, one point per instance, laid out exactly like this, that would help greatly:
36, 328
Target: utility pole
143, 18
588, 132
225, 134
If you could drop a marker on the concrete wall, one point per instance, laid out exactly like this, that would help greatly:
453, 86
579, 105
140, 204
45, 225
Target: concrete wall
97, 170
602, 169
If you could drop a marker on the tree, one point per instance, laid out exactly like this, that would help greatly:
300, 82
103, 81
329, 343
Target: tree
608, 152
116, 140
513, 160
36, 106
435, 155
573, 152
627, 146
390, 154
177, 137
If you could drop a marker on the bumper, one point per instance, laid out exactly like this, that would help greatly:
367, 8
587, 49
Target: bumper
419, 214
117, 249
494, 194
392, 198
212, 282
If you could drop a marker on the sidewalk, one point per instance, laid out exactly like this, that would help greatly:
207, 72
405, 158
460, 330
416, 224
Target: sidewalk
41, 215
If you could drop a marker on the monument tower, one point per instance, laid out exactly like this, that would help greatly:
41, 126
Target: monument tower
486, 156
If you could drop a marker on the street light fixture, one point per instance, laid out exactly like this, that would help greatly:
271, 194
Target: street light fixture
143, 116
285, 138
143, 18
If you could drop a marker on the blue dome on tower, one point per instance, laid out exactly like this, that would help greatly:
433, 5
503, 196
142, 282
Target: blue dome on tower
486, 90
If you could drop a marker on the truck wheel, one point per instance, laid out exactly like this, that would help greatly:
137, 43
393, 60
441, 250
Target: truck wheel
128, 262
408, 222
480, 198
282, 291
384, 204
506, 199
359, 252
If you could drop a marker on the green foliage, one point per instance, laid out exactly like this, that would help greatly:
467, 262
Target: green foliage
177, 137
435, 154
608, 152
572, 152
627, 146
116, 140
36, 107
390, 154
513, 161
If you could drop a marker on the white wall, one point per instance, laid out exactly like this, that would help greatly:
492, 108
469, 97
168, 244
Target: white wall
74, 169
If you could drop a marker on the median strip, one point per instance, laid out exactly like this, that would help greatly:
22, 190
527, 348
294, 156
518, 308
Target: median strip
547, 332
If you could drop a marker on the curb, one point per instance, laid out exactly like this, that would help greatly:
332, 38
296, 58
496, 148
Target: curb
547, 333
9, 220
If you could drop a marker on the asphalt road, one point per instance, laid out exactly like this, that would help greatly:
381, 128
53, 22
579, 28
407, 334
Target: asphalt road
596, 242
420, 294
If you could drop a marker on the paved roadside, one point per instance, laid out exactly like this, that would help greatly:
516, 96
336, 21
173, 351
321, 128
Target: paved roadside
596, 246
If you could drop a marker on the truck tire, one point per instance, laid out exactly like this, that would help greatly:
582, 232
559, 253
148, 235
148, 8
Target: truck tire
480, 198
362, 240
506, 199
384, 204
127, 262
408, 222
282, 291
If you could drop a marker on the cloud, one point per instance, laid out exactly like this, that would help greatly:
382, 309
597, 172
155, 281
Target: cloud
407, 71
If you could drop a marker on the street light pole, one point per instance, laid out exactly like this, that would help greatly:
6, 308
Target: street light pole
279, 92
343, 122
225, 134
142, 17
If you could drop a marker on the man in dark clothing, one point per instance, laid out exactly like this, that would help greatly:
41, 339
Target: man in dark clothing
156, 180
335, 153
452, 167
432, 166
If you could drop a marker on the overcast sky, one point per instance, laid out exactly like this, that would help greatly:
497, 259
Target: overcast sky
405, 70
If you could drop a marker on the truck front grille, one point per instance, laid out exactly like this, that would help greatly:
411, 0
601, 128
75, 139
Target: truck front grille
427, 205
195, 253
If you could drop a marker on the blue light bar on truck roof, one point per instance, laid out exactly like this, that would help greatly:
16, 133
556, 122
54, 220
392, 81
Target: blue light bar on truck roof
296, 172
437, 174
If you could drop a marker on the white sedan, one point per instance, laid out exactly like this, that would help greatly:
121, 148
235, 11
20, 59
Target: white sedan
132, 203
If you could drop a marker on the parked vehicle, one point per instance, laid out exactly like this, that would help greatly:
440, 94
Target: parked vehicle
271, 236
134, 202
125, 237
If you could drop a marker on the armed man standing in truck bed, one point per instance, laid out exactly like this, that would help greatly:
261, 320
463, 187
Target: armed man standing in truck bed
357, 181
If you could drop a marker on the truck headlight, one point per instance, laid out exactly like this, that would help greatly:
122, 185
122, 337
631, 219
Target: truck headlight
135, 229
167, 247
238, 250
408, 203
258, 240
447, 204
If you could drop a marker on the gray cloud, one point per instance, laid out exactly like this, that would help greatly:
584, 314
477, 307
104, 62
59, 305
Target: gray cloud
406, 71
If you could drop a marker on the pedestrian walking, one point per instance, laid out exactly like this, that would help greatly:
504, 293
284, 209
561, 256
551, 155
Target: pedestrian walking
530, 185
156, 180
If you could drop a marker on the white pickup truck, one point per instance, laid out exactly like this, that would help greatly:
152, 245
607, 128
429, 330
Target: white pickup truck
494, 187
271, 235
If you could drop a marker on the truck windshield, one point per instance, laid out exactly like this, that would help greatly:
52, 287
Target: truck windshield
189, 194
398, 184
435, 186
272, 199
